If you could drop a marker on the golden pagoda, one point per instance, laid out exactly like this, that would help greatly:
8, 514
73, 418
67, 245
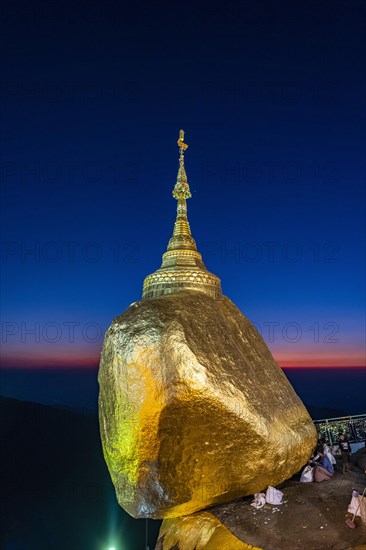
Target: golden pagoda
182, 267
185, 382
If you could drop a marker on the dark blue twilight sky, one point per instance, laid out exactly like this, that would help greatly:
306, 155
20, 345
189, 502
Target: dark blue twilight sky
271, 96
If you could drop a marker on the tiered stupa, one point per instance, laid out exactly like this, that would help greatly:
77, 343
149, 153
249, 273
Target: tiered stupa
182, 267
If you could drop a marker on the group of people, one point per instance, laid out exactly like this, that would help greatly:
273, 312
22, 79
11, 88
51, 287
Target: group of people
321, 466
324, 455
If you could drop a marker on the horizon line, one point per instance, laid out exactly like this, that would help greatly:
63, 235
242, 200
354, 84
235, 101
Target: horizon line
90, 366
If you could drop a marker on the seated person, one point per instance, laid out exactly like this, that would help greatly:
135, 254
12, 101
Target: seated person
322, 458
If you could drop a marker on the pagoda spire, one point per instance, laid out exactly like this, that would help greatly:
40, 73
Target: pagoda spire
182, 267
181, 189
182, 237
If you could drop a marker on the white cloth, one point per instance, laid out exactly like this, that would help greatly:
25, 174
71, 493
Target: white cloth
328, 454
259, 500
273, 496
354, 506
307, 475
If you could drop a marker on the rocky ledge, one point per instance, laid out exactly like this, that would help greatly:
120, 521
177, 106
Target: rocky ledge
312, 516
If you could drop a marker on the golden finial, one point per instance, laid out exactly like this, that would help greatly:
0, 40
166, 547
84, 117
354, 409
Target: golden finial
181, 189
182, 146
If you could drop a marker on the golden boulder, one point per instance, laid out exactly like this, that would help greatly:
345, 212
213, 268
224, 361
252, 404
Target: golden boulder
194, 410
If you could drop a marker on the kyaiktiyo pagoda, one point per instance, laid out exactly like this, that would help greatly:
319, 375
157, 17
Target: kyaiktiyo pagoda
194, 410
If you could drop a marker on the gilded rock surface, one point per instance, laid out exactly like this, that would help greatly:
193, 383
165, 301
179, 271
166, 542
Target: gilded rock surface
201, 531
193, 408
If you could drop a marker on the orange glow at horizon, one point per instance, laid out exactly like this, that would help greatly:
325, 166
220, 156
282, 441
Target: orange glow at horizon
90, 359
62, 359
312, 359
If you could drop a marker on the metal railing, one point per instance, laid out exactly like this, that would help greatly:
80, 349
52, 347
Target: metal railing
353, 427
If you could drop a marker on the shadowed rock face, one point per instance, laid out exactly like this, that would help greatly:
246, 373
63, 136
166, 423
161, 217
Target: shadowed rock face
193, 409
